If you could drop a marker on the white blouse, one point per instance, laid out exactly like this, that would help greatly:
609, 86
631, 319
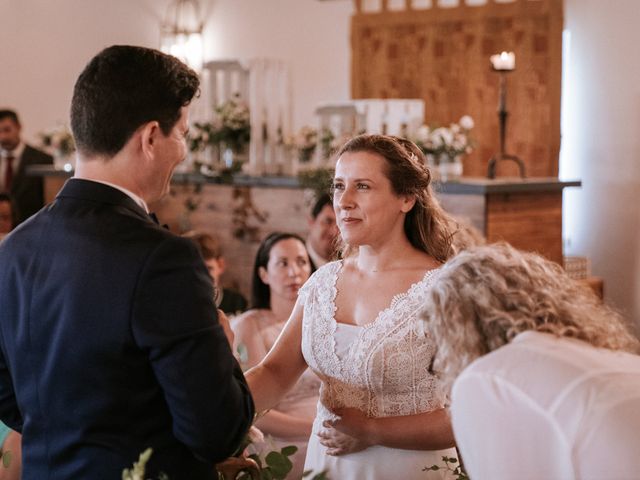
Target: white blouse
544, 407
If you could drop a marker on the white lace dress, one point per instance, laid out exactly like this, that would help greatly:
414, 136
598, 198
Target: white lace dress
381, 369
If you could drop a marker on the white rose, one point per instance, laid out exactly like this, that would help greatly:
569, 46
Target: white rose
466, 122
422, 135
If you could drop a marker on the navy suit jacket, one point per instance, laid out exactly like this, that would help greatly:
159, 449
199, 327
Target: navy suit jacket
110, 343
28, 190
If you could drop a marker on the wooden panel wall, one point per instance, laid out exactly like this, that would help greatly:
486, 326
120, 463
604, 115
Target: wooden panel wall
530, 222
442, 55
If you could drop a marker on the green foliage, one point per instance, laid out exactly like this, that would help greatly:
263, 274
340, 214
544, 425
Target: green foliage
318, 180
276, 465
450, 465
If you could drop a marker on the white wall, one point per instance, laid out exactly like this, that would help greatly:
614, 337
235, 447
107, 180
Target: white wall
311, 36
45, 44
601, 143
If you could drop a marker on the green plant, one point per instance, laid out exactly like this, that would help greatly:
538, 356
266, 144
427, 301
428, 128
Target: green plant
319, 180
452, 466
276, 464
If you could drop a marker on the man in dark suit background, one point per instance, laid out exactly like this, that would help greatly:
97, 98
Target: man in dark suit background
109, 338
15, 157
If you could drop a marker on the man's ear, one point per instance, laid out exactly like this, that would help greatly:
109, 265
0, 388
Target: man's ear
149, 138
222, 265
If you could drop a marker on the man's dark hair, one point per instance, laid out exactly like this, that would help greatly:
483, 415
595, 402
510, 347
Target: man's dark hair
6, 113
124, 87
324, 199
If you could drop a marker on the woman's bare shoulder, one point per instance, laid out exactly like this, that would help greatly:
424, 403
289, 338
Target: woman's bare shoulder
251, 319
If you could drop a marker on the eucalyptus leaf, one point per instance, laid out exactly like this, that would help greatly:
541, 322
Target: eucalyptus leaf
279, 465
289, 450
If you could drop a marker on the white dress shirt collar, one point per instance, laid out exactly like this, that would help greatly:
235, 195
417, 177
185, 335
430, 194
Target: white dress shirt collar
129, 193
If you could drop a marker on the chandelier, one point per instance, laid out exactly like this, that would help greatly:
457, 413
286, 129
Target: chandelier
181, 32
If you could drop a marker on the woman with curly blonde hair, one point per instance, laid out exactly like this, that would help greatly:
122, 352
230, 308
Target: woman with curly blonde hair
545, 380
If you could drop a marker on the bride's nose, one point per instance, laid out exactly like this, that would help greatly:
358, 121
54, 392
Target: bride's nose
346, 200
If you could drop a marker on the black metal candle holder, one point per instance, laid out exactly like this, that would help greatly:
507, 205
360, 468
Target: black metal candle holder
502, 116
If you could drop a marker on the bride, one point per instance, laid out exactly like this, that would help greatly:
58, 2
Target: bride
381, 412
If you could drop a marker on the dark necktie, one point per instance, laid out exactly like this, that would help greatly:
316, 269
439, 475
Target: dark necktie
8, 172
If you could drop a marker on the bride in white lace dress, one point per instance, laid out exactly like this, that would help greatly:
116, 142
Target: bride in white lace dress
381, 413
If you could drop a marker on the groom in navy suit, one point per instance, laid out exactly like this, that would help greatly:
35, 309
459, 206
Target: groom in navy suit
109, 338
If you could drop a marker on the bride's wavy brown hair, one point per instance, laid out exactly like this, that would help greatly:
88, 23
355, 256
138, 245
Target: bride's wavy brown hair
426, 225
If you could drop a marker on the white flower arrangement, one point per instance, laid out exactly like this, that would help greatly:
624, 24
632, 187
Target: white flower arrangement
58, 140
449, 142
231, 127
304, 142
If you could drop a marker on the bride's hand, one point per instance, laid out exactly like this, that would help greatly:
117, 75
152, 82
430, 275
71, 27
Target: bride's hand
338, 443
348, 433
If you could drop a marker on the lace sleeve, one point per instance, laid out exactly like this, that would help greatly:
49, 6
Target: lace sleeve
317, 279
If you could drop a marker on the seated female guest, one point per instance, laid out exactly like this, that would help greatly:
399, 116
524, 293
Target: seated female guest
548, 388
281, 267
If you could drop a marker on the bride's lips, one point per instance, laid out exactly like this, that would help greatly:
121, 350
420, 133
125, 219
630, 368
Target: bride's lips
350, 220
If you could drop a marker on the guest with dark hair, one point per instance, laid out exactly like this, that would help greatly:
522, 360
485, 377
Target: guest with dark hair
546, 379
227, 299
15, 157
323, 232
111, 343
281, 267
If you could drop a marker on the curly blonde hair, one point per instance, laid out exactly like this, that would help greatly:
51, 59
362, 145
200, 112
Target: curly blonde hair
427, 226
485, 296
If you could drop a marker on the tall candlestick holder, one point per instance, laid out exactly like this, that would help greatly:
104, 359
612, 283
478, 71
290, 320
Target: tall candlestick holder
503, 114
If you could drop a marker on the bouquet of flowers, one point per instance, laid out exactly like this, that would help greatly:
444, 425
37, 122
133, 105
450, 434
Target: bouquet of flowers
448, 142
232, 125
58, 140
304, 143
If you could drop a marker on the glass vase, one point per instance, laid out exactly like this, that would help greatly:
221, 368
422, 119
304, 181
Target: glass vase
450, 167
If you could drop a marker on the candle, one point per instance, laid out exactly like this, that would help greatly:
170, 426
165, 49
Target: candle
503, 61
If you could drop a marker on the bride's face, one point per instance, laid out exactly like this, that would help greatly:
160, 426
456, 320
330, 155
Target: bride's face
367, 209
287, 270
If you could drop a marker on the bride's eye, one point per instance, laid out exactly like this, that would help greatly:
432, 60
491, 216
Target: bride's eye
336, 187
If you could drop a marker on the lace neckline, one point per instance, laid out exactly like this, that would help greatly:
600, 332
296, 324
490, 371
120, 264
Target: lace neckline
397, 298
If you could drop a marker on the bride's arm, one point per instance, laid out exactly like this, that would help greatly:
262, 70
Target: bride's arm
424, 431
283, 365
